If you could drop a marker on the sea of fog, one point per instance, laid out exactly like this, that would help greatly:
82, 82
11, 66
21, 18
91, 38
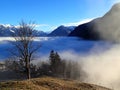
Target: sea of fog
100, 60
58, 44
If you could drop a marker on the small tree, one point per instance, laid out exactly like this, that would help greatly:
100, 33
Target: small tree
52, 61
24, 46
55, 63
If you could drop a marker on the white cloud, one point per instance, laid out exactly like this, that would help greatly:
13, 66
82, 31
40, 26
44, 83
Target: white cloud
41, 25
48, 28
79, 22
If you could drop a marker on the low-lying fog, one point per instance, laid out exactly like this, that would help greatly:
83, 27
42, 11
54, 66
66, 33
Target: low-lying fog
100, 60
59, 44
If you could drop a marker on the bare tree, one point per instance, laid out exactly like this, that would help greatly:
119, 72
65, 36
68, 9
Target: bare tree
24, 45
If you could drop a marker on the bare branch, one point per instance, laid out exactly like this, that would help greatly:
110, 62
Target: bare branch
25, 48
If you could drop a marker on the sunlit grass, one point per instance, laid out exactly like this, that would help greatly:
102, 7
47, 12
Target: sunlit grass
48, 83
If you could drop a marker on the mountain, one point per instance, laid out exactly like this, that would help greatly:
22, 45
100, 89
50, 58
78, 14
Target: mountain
41, 33
86, 31
103, 28
7, 30
62, 31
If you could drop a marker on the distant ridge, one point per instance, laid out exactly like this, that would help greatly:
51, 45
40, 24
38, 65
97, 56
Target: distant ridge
62, 31
7, 30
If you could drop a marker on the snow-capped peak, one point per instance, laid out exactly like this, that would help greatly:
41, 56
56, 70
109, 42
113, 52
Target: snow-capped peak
12, 31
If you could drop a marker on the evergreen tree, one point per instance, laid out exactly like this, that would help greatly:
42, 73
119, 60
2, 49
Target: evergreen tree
57, 58
52, 62
55, 62
52, 58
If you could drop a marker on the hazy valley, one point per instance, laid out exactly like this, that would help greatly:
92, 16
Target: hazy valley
89, 52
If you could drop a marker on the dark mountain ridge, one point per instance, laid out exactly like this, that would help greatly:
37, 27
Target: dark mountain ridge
103, 28
86, 31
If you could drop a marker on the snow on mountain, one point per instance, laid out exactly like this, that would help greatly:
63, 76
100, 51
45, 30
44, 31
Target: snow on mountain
6, 30
62, 31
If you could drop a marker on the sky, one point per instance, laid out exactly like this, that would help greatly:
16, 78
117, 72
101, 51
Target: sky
49, 14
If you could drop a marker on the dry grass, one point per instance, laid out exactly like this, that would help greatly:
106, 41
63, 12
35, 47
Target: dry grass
48, 83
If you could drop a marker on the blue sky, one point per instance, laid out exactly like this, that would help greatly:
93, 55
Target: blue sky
48, 14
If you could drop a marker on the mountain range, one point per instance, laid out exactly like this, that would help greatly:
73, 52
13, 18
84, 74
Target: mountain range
7, 30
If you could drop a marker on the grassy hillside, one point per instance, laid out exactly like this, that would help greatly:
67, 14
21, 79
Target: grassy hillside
48, 83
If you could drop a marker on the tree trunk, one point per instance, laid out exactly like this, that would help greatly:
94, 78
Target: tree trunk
28, 69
